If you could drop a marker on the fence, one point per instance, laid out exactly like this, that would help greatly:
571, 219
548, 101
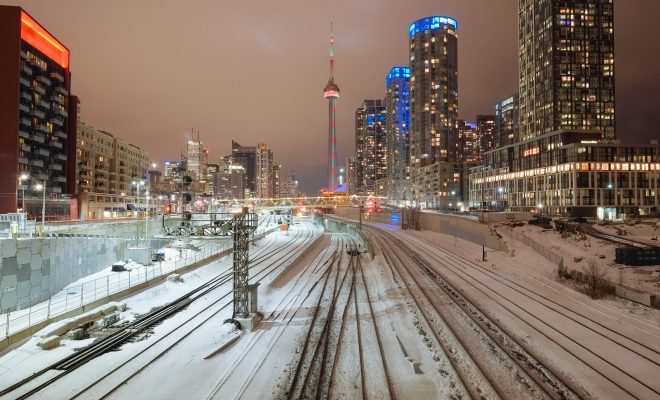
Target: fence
537, 247
74, 297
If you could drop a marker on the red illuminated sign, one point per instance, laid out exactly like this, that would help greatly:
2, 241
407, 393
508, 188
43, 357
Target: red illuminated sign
37, 36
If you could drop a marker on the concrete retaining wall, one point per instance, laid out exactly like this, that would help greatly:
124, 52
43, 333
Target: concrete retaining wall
493, 217
393, 218
32, 270
463, 228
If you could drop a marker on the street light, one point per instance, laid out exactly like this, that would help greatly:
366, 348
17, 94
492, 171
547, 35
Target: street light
21, 178
42, 187
500, 202
453, 194
540, 206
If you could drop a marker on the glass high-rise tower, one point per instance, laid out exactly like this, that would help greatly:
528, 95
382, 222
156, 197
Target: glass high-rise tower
566, 75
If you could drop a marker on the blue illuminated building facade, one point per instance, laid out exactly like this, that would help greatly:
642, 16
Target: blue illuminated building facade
433, 56
370, 147
397, 109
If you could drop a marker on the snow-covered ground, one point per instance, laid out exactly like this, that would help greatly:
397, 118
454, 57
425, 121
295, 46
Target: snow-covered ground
383, 328
579, 250
28, 358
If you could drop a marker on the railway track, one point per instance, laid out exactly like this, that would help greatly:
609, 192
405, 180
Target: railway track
58, 370
609, 369
332, 338
509, 370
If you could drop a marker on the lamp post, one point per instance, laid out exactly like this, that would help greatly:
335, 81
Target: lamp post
500, 202
453, 194
21, 178
137, 185
540, 206
42, 187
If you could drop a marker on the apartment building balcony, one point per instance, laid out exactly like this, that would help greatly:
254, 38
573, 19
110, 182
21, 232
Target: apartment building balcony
38, 114
58, 76
23, 160
57, 121
37, 163
57, 99
26, 96
57, 145
24, 82
61, 157
61, 112
37, 64
61, 134
42, 152
43, 80
101, 178
42, 128
39, 90
23, 108
84, 165
44, 104
41, 176
23, 133
61, 91
38, 138
25, 121
56, 167
26, 70
56, 188
26, 148
60, 178
24, 56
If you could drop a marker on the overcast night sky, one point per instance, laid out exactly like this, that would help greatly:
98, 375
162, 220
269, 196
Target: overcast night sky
148, 71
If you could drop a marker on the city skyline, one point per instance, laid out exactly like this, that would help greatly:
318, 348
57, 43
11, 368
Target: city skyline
284, 54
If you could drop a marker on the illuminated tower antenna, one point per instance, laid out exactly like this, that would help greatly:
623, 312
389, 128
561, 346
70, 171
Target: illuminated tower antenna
331, 92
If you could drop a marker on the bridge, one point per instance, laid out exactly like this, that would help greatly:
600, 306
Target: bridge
297, 202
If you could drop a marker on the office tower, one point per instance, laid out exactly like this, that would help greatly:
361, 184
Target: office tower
195, 156
246, 157
506, 121
331, 92
231, 179
212, 171
435, 173
566, 51
264, 176
37, 115
370, 145
397, 122
485, 133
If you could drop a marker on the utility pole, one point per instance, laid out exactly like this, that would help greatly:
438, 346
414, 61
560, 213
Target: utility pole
361, 209
43, 207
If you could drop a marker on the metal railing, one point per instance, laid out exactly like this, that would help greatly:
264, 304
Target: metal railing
74, 297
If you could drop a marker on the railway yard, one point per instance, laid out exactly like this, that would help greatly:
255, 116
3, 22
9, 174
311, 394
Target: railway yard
428, 317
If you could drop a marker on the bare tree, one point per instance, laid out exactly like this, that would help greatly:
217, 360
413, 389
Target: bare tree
595, 276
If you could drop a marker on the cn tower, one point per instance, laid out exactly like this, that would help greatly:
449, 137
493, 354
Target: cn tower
331, 92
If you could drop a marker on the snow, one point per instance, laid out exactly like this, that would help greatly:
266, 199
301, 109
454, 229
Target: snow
207, 358
578, 253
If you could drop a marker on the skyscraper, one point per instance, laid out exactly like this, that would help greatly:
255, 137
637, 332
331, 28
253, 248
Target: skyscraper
37, 114
506, 121
370, 145
397, 121
331, 92
433, 48
195, 155
468, 143
264, 175
566, 51
486, 134
245, 156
